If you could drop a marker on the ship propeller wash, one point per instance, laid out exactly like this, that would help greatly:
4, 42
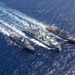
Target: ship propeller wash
28, 32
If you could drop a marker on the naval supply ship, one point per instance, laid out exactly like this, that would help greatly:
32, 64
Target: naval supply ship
42, 35
34, 32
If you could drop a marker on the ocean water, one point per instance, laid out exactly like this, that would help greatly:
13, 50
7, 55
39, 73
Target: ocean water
16, 61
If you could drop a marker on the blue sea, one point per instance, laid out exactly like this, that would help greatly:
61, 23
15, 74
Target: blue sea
17, 61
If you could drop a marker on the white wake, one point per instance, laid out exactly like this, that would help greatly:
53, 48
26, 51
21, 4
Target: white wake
15, 20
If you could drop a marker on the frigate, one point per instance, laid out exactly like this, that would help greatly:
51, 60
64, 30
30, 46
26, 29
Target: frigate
65, 35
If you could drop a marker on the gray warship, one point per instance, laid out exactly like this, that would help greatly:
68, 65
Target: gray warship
65, 35
42, 35
22, 41
48, 37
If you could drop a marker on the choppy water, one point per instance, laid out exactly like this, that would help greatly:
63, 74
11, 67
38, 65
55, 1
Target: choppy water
16, 61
